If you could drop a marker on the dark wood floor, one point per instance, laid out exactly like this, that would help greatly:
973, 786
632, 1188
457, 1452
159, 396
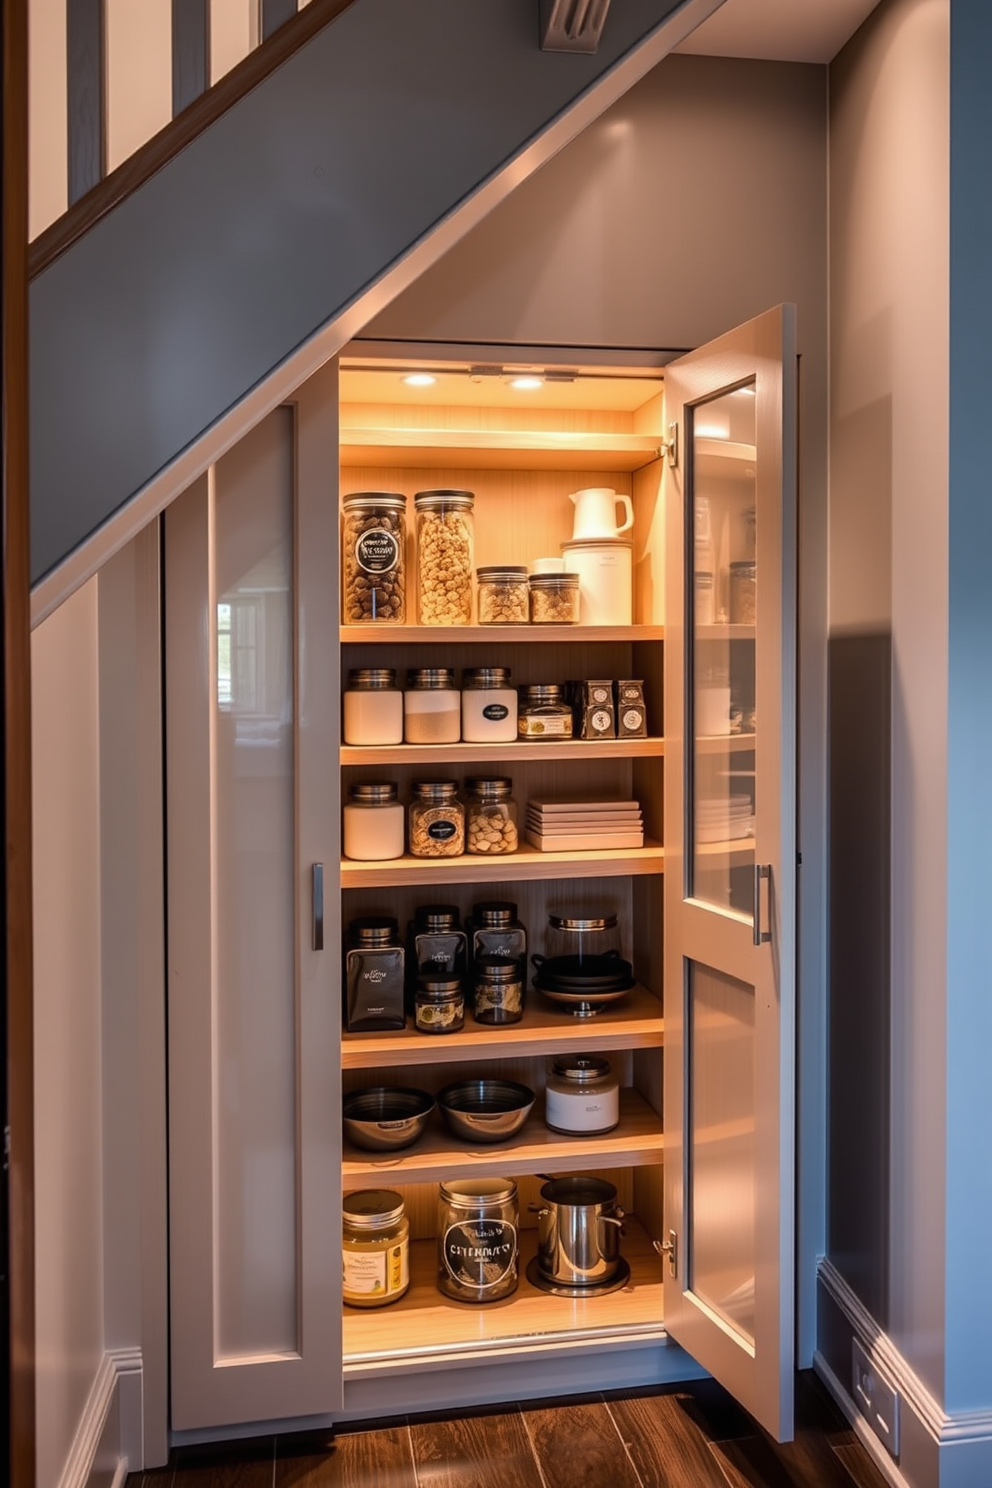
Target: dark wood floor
685, 1436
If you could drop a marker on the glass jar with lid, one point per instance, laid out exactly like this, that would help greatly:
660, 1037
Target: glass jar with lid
375, 965
373, 549
543, 712
554, 599
497, 990
492, 816
583, 937
743, 592
489, 706
582, 1096
373, 822
445, 556
373, 707
477, 1224
431, 706
438, 944
502, 595
376, 1248
437, 820
440, 1004
494, 930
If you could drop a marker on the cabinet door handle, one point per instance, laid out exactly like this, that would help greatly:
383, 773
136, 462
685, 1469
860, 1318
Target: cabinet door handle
317, 875
761, 870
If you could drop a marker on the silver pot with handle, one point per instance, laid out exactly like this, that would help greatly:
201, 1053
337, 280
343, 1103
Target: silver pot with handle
579, 1229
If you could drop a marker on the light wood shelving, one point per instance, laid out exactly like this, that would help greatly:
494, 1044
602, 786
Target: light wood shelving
526, 863
519, 752
634, 1023
450, 635
484, 449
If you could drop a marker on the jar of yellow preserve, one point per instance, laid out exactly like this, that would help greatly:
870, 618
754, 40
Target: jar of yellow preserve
376, 1248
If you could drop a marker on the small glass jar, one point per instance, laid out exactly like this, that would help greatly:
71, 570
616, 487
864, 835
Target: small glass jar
554, 599
582, 1096
431, 706
373, 707
373, 823
375, 965
705, 602
437, 820
543, 712
503, 595
580, 937
376, 1248
494, 930
438, 945
743, 593
440, 1004
489, 706
497, 990
477, 1224
445, 556
373, 555
492, 816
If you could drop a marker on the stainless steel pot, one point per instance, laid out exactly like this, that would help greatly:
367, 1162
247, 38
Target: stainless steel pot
579, 1229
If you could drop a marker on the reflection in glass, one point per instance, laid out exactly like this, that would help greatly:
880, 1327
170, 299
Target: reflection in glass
722, 1177
721, 623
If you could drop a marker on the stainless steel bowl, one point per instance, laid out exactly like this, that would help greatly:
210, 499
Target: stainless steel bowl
485, 1110
385, 1118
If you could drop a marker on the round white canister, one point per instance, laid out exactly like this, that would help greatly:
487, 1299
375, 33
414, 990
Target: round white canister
605, 570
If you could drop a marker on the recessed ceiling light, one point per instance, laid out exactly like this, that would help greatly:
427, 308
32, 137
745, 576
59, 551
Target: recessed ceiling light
527, 384
419, 379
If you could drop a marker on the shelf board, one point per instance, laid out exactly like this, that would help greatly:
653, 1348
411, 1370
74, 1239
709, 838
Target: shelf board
638, 1139
519, 751
425, 1323
724, 459
519, 867
740, 846
724, 632
711, 744
634, 1023
450, 635
481, 449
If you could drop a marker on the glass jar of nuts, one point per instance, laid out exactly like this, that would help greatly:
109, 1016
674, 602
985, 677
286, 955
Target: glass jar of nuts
445, 551
373, 550
492, 816
437, 820
502, 595
554, 599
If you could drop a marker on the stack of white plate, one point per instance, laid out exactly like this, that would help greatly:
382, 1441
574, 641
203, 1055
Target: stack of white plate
571, 826
724, 818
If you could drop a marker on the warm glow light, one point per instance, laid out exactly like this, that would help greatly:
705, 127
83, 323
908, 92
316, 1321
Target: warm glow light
419, 379
712, 431
527, 384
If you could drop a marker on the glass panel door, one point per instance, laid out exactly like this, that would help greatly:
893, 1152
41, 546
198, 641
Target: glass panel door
730, 862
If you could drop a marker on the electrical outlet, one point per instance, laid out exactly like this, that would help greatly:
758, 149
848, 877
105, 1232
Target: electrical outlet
876, 1399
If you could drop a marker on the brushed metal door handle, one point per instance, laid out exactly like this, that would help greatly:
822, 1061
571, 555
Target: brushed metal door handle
317, 878
761, 870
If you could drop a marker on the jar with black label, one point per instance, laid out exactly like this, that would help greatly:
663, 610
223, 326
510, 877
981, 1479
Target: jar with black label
492, 817
374, 974
489, 706
497, 991
438, 944
582, 1096
373, 587
494, 930
544, 713
437, 820
376, 1248
445, 554
477, 1252
440, 1004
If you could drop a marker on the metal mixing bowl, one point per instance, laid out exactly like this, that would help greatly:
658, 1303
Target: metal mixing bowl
485, 1110
385, 1118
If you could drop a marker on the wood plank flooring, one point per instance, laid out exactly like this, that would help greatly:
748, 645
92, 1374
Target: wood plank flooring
683, 1436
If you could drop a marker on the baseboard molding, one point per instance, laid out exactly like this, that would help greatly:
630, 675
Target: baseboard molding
110, 1425
858, 1424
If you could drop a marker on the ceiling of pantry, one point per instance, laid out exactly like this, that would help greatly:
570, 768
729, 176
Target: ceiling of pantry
780, 30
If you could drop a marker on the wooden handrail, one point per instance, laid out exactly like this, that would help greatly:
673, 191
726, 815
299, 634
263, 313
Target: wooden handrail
132, 173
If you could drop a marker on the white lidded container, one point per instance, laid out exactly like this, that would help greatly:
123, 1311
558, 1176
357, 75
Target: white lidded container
582, 1097
489, 706
373, 707
374, 823
605, 570
431, 707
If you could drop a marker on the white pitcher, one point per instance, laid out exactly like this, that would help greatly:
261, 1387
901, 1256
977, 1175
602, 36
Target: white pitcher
596, 513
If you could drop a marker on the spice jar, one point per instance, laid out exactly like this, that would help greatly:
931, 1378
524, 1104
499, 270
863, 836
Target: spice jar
582, 1096
489, 706
543, 712
497, 990
376, 1248
373, 558
445, 546
431, 706
492, 816
437, 820
373, 707
743, 593
438, 946
503, 595
478, 1220
554, 599
374, 974
373, 823
494, 930
440, 1004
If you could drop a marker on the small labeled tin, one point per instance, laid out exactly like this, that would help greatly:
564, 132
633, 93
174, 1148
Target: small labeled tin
477, 1255
632, 718
498, 988
582, 1096
375, 1248
440, 1005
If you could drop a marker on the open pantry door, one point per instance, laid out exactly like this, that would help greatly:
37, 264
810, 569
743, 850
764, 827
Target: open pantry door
730, 857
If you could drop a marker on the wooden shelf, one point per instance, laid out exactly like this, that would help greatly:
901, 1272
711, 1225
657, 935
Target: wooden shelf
425, 1323
450, 635
634, 1023
526, 863
725, 632
518, 752
739, 846
724, 459
638, 1139
539, 449
718, 744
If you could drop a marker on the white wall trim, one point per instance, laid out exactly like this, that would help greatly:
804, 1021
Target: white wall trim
966, 1426
117, 1367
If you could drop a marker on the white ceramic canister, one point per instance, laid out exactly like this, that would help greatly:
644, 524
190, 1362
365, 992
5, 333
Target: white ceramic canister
432, 706
373, 823
582, 1097
489, 706
605, 570
373, 707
